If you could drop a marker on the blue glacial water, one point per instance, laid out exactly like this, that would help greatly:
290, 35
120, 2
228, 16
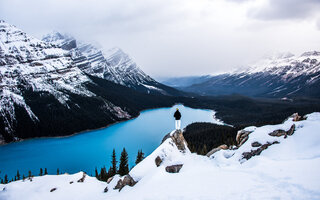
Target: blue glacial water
88, 150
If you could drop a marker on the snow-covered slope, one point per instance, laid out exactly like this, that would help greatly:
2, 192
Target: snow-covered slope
113, 65
285, 170
44, 91
29, 63
283, 75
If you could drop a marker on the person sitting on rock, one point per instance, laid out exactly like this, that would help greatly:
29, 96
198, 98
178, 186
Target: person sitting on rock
177, 116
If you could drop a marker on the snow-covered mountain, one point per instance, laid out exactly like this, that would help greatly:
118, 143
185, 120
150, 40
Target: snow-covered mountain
113, 64
283, 75
269, 162
41, 86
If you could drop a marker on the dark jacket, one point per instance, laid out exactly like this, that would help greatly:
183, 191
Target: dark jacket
177, 115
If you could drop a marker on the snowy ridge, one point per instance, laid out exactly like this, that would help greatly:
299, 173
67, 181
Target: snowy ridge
287, 65
29, 63
113, 65
286, 170
279, 76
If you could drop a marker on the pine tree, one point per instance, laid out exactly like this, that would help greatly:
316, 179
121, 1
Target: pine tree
113, 170
96, 173
58, 172
5, 179
18, 175
45, 171
29, 174
41, 172
1, 181
123, 166
23, 177
140, 156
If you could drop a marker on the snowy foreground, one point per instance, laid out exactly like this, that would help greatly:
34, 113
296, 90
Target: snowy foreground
287, 170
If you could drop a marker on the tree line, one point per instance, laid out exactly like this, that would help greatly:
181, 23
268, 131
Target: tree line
103, 175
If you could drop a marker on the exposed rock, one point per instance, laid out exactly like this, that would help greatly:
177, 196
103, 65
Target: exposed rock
291, 130
255, 144
296, 117
248, 155
105, 189
280, 132
178, 139
81, 180
71, 182
174, 168
119, 185
53, 189
158, 161
127, 180
217, 149
242, 137
110, 179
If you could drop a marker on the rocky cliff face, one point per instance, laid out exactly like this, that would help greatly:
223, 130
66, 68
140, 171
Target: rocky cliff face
113, 65
46, 92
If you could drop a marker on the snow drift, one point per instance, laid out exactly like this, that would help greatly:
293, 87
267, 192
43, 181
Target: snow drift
287, 169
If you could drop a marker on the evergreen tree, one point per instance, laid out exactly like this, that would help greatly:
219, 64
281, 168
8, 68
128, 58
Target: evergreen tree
5, 179
140, 156
23, 177
18, 175
41, 172
123, 166
58, 172
96, 173
1, 181
103, 174
45, 171
113, 170
29, 174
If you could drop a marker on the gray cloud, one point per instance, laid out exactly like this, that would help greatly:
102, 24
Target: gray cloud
173, 37
286, 9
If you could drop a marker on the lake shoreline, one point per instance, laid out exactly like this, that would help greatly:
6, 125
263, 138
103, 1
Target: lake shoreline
89, 130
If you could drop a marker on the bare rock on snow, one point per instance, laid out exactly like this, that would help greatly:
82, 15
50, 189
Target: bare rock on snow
81, 180
174, 168
223, 146
178, 139
110, 179
296, 117
106, 189
242, 137
127, 180
280, 132
158, 161
248, 155
53, 189
255, 144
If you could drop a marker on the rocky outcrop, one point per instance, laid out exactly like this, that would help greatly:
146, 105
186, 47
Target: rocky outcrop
81, 180
248, 155
255, 144
296, 117
158, 161
174, 168
242, 137
280, 132
178, 139
224, 147
127, 180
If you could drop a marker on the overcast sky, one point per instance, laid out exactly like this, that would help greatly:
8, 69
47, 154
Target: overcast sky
178, 37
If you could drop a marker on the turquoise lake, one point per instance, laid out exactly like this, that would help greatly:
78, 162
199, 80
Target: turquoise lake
91, 149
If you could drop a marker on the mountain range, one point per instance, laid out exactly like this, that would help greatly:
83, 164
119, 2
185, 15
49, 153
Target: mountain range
281, 76
54, 86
